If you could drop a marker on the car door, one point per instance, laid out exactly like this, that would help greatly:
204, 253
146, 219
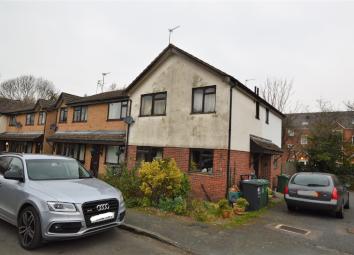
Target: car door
4, 165
11, 190
341, 189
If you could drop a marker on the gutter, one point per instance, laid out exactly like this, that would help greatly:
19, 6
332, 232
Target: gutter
228, 172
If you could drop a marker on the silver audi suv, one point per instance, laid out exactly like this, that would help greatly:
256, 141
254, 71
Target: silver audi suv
52, 197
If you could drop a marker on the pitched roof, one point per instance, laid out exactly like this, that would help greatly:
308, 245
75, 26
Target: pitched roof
14, 106
99, 98
343, 118
172, 49
28, 136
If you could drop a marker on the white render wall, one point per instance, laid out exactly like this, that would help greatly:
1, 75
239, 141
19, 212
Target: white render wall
245, 124
179, 128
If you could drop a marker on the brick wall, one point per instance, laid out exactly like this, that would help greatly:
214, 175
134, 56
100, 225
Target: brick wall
25, 128
50, 119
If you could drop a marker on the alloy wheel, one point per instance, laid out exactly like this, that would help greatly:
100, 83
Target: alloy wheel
27, 228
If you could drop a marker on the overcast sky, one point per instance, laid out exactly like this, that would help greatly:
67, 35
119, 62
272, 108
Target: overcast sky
71, 44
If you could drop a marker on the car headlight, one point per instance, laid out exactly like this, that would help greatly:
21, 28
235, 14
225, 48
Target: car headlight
61, 207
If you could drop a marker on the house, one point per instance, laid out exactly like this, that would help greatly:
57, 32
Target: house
215, 127
91, 129
298, 130
25, 126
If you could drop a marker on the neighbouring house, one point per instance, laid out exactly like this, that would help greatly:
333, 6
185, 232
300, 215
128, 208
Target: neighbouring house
215, 127
91, 129
298, 130
25, 126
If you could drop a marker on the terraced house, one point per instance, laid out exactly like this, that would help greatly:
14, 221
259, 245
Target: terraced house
215, 128
25, 126
91, 129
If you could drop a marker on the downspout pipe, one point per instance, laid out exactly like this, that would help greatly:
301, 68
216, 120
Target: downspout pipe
228, 172
128, 131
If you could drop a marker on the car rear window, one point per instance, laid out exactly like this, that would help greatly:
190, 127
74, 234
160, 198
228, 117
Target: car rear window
311, 180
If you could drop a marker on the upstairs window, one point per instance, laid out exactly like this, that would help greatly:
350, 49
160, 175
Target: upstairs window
291, 132
12, 121
63, 115
117, 110
30, 119
80, 114
303, 139
267, 116
257, 110
153, 104
201, 161
41, 119
204, 99
148, 154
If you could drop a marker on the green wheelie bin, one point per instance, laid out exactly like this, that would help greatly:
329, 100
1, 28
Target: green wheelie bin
256, 193
282, 182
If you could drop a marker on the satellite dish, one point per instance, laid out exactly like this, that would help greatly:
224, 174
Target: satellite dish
129, 120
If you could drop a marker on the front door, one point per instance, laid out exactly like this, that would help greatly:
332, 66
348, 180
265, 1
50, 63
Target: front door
38, 148
95, 159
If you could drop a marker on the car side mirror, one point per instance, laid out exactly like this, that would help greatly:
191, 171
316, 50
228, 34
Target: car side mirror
13, 175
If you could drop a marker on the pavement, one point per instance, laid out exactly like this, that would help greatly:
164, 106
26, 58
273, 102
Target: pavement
327, 235
115, 241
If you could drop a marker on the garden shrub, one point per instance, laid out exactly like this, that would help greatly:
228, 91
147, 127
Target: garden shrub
162, 179
176, 205
199, 211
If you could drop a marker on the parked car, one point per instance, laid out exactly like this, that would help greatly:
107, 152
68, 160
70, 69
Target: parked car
54, 197
317, 191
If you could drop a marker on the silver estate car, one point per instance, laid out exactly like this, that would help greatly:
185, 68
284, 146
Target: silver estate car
52, 197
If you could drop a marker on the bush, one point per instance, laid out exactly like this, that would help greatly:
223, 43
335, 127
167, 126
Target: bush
177, 205
162, 179
199, 211
224, 204
128, 182
242, 203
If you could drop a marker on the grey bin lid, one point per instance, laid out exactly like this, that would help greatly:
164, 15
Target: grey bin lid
256, 182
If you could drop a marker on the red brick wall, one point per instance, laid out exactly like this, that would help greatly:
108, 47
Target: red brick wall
205, 185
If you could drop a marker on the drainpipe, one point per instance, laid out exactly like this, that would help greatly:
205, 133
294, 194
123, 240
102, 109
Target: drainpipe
128, 131
228, 172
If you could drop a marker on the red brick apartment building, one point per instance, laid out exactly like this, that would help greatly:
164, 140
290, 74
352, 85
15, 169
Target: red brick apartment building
298, 130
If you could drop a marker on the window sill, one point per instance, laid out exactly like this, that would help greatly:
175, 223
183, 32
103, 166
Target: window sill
115, 120
29, 125
62, 122
155, 115
201, 174
194, 113
80, 121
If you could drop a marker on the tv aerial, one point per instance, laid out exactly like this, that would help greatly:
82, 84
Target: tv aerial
170, 31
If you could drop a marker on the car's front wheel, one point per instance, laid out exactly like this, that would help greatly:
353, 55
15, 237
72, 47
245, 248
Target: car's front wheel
29, 229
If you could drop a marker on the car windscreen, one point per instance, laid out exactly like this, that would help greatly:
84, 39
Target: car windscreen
55, 169
311, 180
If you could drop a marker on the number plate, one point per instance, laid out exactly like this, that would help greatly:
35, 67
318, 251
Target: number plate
307, 193
102, 217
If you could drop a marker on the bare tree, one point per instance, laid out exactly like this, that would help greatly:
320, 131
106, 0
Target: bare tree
349, 105
277, 92
28, 89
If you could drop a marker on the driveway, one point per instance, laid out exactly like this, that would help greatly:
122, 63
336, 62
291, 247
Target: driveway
115, 241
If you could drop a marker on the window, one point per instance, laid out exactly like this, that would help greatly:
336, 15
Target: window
148, 154
311, 180
30, 119
41, 119
16, 166
303, 139
28, 147
118, 110
201, 161
305, 123
4, 164
153, 104
203, 100
12, 121
267, 116
257, 110
353, 140
63, 115
80, 114
291, 132
76, 151
114, 154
